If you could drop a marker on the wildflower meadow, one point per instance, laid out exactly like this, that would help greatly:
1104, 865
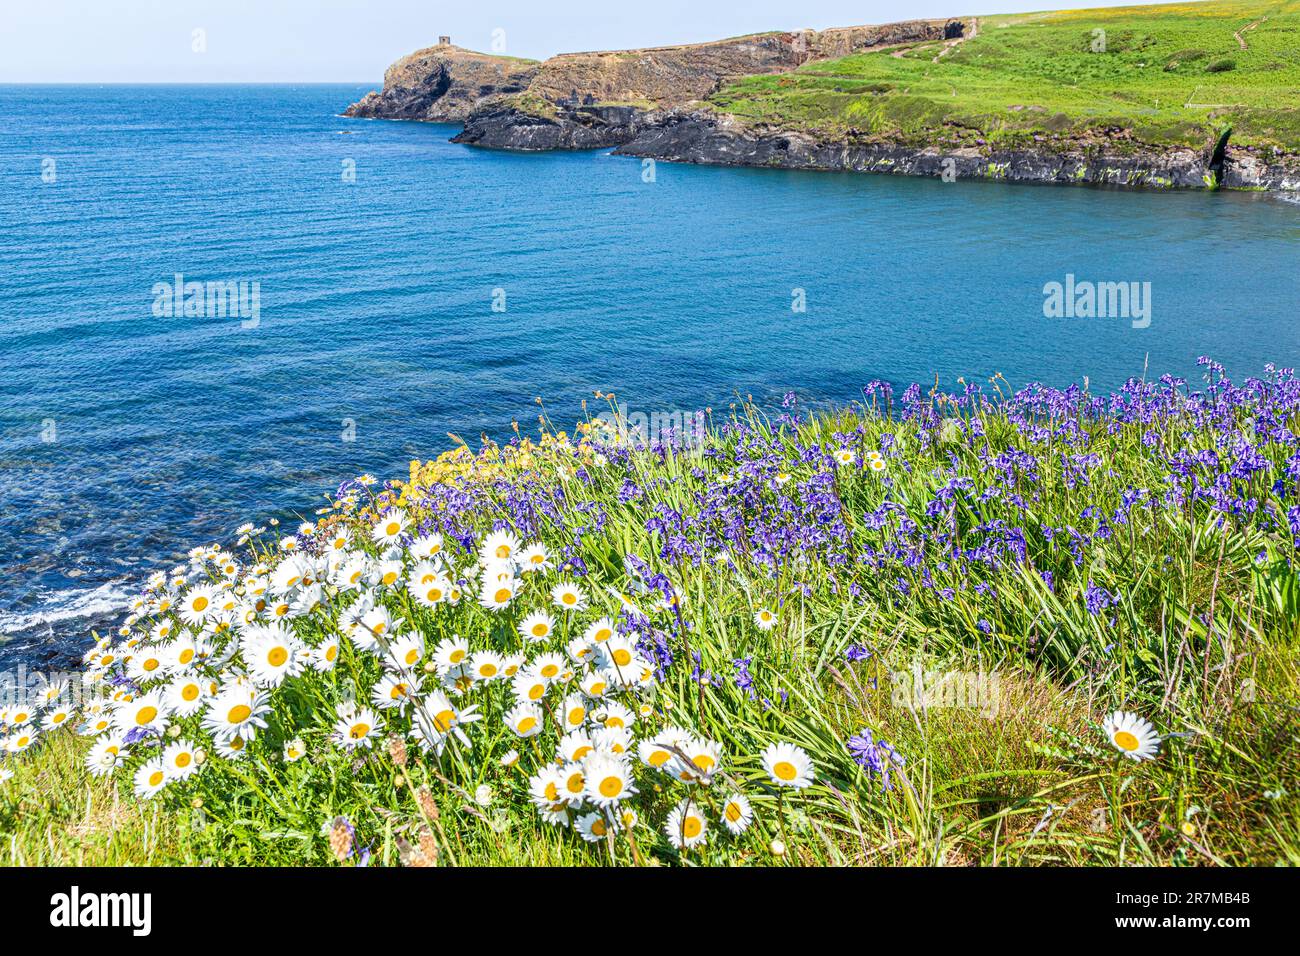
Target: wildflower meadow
992, 627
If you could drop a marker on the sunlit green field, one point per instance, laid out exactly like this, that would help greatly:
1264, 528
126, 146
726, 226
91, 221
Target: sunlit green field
1172, 74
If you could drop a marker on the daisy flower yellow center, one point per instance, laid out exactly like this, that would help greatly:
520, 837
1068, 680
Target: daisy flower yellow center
659, 758
488, 670
503, 551
1125, 741
733, 812
151, 664
527, 724
435, 594
502, 595
183, 760
539, 630
536, 691
146, 715
552, 792
190, 692
358, 731
598, 827
457, 656
390, 577
785, 770
622, 657
444, 720
412, 656
603, 634
575, 783
239, 713
155, 778
569, 598
200, 603
186, 655
392, 528
611, 787
703, 761
277, 657
691, 827
332, 652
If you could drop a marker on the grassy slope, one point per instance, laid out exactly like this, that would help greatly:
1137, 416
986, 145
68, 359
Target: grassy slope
978, 790
1170, 74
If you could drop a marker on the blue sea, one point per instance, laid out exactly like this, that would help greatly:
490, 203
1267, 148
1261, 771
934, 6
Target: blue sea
377, 252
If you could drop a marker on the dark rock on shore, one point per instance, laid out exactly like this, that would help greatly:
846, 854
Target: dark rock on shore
505, 126
701, 136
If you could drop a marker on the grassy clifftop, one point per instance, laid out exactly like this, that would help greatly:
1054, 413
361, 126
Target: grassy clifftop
1174, 74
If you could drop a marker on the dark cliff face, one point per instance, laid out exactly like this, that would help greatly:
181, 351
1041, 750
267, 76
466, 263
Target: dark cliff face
443, 84
700, 136
503, 125
446, 83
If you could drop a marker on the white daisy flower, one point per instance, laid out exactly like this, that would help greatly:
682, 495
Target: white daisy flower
525, 720
180, 760
536, 627
1134, 737
237, 711
390, 527
498, 546
686, 826
355, 727
568, 596
788, 765
608, 780
737, 814
151, 777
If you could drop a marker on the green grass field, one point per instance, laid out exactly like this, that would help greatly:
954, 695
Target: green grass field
1175, 74
1061, 557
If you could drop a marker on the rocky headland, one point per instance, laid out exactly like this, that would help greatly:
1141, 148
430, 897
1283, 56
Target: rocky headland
655, 103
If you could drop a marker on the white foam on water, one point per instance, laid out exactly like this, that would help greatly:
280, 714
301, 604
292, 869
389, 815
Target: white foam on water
66, 605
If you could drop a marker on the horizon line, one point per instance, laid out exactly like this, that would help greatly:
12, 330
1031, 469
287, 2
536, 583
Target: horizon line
186, 82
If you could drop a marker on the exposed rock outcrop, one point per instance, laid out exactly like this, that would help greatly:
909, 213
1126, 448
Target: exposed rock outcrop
701, 136
444, 84
504, 124
648, 104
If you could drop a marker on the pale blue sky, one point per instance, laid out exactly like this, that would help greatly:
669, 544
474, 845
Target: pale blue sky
117, 41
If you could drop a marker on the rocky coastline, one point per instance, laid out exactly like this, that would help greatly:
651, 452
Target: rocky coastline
651, 104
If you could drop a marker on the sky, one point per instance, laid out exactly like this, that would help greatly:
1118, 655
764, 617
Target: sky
276, 41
